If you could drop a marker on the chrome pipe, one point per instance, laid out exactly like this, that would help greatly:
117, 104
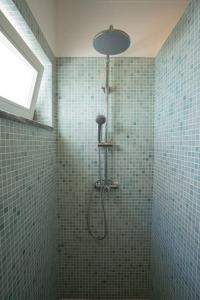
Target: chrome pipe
107, 91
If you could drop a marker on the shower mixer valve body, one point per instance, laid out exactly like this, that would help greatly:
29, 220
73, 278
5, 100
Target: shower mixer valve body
110, 184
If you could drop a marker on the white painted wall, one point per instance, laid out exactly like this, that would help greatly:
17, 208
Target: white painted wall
44, 13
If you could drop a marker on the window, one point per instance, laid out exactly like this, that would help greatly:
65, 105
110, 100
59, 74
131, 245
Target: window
20, 73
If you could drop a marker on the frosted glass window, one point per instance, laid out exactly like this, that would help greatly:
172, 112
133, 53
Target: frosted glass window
20, 73
17, 76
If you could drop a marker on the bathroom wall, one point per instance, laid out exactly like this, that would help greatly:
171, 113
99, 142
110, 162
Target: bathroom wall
27, 201
117, 267
176, 209
27, 176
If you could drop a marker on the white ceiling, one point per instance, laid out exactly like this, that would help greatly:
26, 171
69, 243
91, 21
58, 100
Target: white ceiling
148, 22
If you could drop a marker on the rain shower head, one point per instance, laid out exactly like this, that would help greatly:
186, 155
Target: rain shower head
111, 41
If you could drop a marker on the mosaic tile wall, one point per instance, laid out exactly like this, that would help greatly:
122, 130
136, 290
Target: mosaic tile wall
176, 210
27, 200
27, 177
117, 267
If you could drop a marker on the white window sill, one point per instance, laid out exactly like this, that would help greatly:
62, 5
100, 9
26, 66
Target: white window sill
8, 116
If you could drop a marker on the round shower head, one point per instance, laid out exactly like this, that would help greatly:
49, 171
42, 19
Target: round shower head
100, 119
111, 41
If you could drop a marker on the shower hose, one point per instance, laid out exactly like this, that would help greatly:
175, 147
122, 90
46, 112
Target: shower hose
104, 194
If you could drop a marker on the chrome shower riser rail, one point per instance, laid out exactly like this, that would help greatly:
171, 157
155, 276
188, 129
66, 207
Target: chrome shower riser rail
107, 92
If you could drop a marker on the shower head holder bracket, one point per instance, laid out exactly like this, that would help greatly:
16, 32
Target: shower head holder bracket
110, 89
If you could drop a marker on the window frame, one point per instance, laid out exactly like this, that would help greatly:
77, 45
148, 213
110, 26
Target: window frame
15, 39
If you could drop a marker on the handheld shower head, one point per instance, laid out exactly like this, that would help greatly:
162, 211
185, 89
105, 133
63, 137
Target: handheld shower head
100, 119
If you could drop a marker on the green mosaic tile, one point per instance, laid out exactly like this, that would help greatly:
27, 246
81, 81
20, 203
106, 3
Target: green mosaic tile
176, 209
117, 267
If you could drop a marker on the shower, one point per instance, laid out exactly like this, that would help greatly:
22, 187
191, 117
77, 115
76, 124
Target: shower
100, 119
107, 42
